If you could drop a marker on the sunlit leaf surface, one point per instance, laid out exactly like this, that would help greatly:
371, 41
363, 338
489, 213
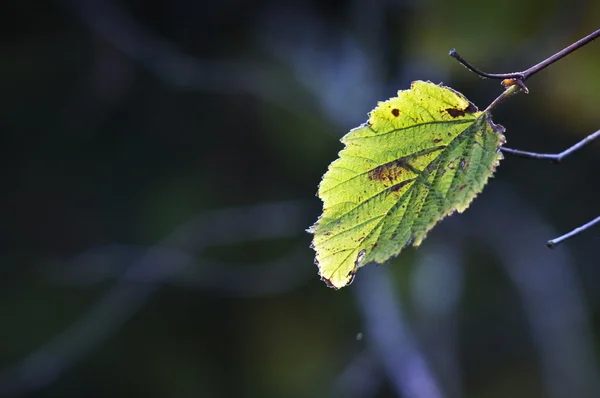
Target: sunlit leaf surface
421, 156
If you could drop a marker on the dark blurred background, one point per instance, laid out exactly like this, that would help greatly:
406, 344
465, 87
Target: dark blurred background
159, 168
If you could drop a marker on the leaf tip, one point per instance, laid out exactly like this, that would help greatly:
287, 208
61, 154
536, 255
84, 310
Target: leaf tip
338, 283
328, 283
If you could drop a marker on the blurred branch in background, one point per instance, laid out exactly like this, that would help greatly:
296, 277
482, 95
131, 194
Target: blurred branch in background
222, 278
156, 266
390, 337
437, 287
547, 286
346, 77
362, 378
110, 21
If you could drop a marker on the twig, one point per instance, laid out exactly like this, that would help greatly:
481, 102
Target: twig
549, 291
553, 242
517, 79
527, 73
515, 82
555, 158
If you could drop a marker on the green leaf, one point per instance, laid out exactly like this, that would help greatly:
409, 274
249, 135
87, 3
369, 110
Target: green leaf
421, 156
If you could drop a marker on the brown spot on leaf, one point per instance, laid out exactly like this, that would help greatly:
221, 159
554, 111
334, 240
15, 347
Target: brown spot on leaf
393, 171
397, 187
395, 112
374, 245
457, 112
394, 235
462, 187
389, 171
435, 141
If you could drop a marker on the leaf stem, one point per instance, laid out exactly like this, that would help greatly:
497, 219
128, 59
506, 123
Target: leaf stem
520, 77
552, 243
509, 92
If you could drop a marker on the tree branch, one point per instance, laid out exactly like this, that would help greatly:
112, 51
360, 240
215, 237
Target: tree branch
554, 242
527, 73
555, 158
